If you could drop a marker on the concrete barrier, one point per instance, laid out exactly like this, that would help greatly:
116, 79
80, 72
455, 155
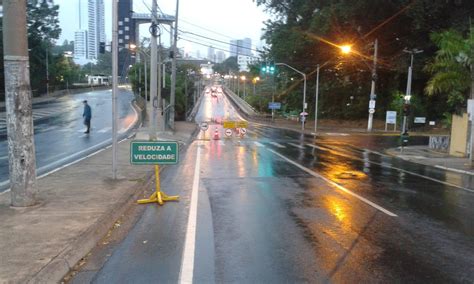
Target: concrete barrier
241, 104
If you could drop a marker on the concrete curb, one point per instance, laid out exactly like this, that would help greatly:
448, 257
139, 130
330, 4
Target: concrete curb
454, 170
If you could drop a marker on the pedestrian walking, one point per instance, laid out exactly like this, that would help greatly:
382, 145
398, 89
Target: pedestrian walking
87, 115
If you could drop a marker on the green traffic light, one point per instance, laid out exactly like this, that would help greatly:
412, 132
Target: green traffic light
264, 69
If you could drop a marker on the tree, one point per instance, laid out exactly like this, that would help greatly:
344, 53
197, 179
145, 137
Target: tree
303, 33
451, 69
227, 66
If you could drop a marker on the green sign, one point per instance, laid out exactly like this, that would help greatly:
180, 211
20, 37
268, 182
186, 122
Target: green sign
153, 152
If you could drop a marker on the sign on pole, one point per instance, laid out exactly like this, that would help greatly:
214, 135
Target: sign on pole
372, 104
420, 120
391, 118
154, 152
274, 105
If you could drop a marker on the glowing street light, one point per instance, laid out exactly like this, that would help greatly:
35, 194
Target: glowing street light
346, 49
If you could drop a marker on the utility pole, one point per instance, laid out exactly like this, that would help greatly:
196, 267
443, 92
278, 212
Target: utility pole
173, 68
21, 146
114, 86
47, 70
372, 89
154, 30
316, 103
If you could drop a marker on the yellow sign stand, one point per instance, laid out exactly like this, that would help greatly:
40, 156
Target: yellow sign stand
158, 195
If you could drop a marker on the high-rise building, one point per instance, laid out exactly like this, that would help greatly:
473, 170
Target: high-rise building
96, 28
126, 36
241, 47
80, 46
220, 56
211, 53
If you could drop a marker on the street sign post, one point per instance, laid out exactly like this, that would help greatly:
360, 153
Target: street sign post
155, 153
391, 118
274, 105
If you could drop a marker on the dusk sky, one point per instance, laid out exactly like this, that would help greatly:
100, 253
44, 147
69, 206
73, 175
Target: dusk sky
218, 19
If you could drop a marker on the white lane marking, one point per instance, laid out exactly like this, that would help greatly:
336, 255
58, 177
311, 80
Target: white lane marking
336, 134
258, 144
384, 165
378, 207
455, 170
103, 130
317, 147
277, 144
187, 264
297, 145
4, 157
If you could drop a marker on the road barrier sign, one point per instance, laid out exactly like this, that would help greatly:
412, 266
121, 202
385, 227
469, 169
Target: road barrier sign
228, 124
204, 126
243, 131
242, 124
153, 152
228, 132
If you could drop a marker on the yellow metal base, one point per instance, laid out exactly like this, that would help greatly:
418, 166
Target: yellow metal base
159, 197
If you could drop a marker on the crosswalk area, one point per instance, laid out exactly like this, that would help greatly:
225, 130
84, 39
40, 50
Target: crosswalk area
39, 113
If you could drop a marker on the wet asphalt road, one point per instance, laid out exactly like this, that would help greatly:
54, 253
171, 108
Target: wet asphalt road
59, 129
277, 207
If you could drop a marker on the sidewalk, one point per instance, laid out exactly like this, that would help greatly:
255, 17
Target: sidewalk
78, 205
417, 154
426, 156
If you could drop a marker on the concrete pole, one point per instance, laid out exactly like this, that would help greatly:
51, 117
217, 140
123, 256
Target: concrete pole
372, 89
153, 69
316, 103
114, 86
161, 106
21, 146
304, 102
173, 69
47, 70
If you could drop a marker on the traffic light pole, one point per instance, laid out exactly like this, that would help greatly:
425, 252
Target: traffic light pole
304, 91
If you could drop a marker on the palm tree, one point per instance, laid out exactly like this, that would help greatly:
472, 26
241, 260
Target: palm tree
452, 69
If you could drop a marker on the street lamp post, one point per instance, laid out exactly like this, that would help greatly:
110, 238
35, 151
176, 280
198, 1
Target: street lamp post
238, 87
304, 91
409, 80
255, 80
243, 78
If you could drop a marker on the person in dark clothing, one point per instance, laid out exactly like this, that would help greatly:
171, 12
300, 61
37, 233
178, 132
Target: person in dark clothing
87, 115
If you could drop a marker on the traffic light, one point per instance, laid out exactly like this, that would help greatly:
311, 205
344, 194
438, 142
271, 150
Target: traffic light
272, 69
406, 109
101, 47
268, 68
